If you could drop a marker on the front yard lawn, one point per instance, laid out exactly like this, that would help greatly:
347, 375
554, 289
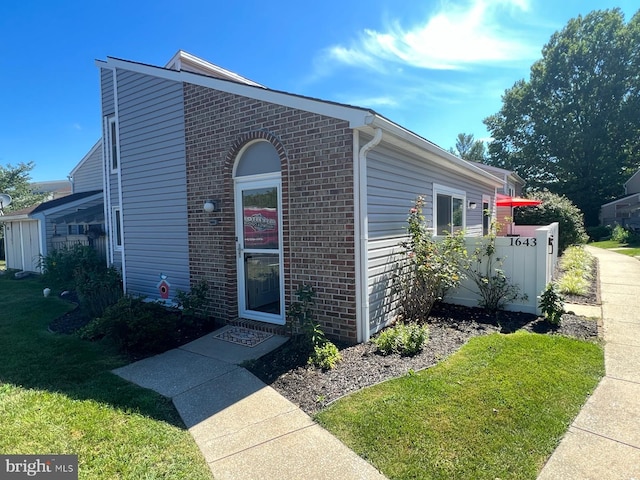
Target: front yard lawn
495, 409
57, 396
632, 248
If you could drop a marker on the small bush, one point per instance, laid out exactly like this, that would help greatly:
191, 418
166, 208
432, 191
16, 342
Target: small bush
576, 265
552, 304
429, 268
60, 266
310, 337
492, 283
325, 356
97, 289
620, 234
135, 326
404, 339
598, 233
555, 208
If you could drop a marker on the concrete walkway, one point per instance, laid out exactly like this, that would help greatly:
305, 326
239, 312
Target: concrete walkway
244, 428
603, 443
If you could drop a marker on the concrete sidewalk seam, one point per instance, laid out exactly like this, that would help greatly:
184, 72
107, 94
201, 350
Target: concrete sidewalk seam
207, 381
621, 379
263, 443
605, 437
268, 419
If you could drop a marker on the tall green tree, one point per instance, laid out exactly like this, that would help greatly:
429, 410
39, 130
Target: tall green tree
16, 181
469, 148
574, 126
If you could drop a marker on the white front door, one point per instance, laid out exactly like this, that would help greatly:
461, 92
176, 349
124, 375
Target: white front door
259, 248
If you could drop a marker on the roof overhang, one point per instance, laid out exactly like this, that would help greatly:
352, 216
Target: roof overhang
635, 196
358, 118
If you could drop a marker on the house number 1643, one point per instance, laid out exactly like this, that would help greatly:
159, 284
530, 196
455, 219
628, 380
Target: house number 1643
523, 242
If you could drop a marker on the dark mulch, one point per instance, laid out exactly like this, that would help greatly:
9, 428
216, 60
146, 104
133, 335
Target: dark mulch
70, 321
450, 327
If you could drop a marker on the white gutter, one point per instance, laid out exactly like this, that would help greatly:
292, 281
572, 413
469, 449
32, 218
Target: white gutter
362, 234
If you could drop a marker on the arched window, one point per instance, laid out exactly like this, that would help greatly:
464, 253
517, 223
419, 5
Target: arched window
258, 158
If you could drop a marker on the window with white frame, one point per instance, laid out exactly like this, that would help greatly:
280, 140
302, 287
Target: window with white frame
449, 211
117, 228
112, 135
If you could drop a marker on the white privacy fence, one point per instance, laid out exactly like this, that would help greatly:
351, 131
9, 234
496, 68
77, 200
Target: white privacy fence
528, 260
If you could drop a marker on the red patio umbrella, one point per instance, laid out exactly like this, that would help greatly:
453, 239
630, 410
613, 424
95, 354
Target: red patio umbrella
507, 201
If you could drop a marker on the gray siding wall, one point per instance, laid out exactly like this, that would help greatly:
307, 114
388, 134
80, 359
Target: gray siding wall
88, 176
153, 181
394, 180
106, 84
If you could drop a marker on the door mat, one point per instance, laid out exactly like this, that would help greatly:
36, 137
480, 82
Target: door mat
243, 336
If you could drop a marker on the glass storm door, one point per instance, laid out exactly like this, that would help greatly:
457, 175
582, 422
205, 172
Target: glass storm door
259, 250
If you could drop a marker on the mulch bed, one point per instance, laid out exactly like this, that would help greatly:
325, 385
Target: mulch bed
450, 327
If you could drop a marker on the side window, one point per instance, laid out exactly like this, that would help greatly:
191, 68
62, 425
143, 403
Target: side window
113, 144
449, 210
486, 215
117, 229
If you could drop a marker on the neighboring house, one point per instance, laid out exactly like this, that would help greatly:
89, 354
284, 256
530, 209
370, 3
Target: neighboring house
513, 186
624, 211
212, 177
74, 218
52, 189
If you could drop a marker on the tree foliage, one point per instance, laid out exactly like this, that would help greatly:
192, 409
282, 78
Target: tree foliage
574, 126
555, 208
469, 148
15, 181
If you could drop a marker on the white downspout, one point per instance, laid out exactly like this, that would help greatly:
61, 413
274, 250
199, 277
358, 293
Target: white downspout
362, 234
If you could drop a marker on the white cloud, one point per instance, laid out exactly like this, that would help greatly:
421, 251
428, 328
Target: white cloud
453, 38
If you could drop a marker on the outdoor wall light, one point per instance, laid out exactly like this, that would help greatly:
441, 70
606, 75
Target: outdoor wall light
472, 205
209, 206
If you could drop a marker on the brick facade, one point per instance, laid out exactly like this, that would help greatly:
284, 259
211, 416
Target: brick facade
316, 155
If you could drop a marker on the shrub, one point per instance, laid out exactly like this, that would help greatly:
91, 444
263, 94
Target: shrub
555, 208
325, 356
97, 289
60, 266
552, 304
576, 265
191, 303
491, 282
135, 326
598, 233
404, 339
429, 268
620, 234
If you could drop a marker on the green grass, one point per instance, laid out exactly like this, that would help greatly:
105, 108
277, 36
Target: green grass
632, 249
495, 409
58, 396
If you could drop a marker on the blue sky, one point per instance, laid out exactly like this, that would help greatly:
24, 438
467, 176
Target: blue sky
436, 67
